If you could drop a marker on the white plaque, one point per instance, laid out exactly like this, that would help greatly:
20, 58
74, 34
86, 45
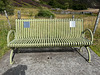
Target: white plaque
72, 23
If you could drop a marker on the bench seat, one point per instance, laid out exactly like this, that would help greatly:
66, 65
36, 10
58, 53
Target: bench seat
29, 42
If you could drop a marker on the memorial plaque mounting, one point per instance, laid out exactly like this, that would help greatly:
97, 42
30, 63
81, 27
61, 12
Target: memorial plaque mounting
26, 24
72, 24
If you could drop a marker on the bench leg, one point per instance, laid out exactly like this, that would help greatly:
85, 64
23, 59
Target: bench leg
11, 57
80, 49
89, 54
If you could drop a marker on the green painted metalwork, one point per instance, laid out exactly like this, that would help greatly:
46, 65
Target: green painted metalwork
80, 50
89, 54
8, 36
90, 33
88, 51
49, 32
11, 55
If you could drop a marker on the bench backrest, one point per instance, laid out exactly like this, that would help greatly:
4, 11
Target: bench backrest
48, 28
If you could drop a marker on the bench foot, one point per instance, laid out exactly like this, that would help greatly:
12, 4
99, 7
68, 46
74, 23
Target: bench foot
11, 57
80, 49
88, 51
89, 54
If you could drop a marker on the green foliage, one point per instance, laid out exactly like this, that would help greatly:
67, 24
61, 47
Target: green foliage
26, 5
3, 37
96, 49
79, 6
45, 13
56, 4
64, 4
30, 13
6, 5
42, 2
2, 5
10, 10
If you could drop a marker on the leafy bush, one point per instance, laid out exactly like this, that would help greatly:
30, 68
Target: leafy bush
79, 6
10, 10
5, 5
42, 2
64, 4
45, 13
2, 5
56, 4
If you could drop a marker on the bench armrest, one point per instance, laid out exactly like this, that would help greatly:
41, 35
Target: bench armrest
8, 36
90, 33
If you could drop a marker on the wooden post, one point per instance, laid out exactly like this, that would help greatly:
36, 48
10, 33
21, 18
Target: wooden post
96, 23
72, 16
51, 17
19, 15
7, 18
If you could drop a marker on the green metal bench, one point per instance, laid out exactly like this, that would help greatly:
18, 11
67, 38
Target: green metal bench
49, 33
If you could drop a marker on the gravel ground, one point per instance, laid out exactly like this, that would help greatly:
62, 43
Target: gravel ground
50, 61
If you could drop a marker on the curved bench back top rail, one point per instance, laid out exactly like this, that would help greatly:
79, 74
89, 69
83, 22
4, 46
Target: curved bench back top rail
48, 28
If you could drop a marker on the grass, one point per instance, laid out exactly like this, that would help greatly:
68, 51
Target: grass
89, 22
45, 13
96, 46
3, 36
